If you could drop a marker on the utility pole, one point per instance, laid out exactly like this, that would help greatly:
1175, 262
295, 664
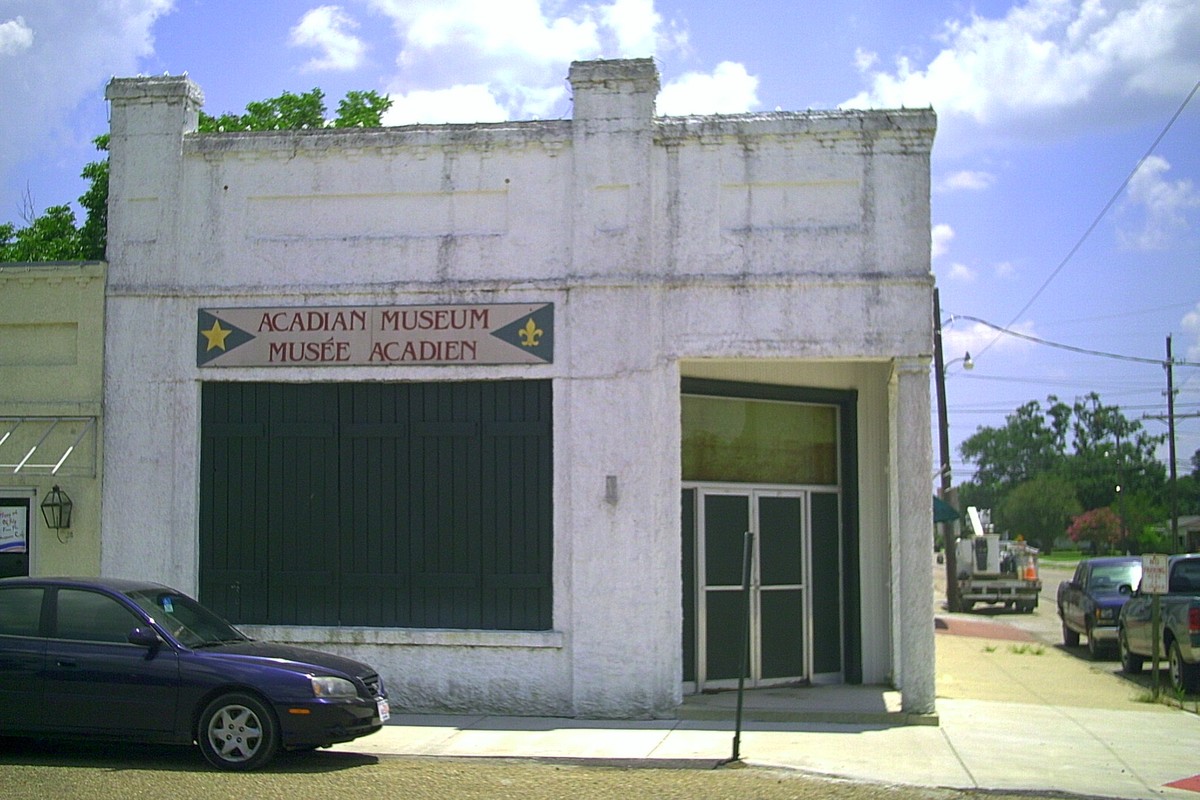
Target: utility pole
1176, 545
1171, 450
948, 543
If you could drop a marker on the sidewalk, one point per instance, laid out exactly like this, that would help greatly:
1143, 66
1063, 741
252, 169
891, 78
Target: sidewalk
1012, 714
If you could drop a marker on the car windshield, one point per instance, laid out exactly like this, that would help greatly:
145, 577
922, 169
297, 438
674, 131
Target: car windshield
185, 619
1113, 576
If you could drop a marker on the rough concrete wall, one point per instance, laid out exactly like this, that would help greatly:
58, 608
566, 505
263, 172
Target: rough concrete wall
756, 237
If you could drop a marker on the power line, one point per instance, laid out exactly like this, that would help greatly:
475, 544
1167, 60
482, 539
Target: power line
1138, 359
1136, 313
1103, 211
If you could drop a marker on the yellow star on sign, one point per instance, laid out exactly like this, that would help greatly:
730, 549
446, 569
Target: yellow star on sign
216, 335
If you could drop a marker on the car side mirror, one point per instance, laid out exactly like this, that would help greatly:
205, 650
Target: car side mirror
1124, 588
144, 637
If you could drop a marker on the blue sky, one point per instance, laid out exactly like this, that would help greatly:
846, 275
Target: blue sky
1045, 109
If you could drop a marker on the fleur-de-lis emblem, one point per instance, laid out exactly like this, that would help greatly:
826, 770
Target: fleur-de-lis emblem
530, 334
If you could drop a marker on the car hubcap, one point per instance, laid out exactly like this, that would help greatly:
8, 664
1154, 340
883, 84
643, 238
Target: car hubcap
235, 733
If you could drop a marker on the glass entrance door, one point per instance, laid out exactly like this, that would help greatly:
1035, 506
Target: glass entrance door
779, 607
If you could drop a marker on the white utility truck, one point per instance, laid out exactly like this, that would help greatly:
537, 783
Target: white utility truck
995, 570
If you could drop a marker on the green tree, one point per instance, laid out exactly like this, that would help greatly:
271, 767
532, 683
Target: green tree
1142, 517
1111, 451
49, 237
286, 112
293, 112
93, 236
1032, 442
362, 110
1099, 528
1092, 447
1187, 488
53, 235
1039, 510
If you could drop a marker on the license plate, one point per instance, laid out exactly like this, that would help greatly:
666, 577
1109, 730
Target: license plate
384, 711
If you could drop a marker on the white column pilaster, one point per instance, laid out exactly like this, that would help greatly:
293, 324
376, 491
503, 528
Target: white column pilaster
912, 534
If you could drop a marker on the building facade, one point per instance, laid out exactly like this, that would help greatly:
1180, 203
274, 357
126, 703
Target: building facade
51, 368
492, 407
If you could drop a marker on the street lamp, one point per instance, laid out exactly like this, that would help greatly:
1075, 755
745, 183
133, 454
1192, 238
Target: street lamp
967, 363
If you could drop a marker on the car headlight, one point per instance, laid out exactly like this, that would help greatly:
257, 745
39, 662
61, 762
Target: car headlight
1106, 613
333, 687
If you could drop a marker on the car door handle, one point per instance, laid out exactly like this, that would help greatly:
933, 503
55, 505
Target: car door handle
62, 662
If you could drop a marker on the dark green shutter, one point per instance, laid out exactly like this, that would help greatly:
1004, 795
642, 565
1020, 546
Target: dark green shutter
395, 505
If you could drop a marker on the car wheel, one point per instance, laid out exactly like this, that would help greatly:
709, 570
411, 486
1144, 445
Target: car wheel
1184, 676
1131, 664
238, 732
1070, 637
1096, 650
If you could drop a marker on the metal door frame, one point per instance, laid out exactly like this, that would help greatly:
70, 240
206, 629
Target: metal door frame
753, 492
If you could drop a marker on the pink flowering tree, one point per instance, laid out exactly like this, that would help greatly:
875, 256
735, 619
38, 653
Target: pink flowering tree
1101, 527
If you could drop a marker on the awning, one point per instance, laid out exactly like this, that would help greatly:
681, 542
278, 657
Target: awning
48, 445
943, 511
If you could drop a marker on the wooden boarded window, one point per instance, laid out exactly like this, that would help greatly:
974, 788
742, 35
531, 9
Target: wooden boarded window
393, 505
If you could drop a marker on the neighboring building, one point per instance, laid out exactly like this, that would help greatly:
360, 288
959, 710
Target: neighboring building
1188, 527
491, 406
51, 368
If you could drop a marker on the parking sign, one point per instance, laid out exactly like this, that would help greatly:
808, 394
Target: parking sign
1154, 573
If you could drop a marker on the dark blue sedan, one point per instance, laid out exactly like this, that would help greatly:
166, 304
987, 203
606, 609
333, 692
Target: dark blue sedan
100, 657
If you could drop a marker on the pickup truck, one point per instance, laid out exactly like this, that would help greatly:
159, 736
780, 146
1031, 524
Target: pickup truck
1090, 602
1179, 625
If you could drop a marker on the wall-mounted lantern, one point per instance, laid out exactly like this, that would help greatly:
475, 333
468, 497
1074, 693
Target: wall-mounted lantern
56, 508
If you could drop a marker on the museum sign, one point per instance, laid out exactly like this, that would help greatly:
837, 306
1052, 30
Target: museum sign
503, 333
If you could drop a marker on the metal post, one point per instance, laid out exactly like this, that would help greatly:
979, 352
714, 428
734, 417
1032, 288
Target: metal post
747, 553
1155, 621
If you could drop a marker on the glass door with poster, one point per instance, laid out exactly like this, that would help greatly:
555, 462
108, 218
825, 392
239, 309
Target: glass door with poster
14, 536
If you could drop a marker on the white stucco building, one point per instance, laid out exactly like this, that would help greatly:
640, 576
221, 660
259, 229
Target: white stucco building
491, 406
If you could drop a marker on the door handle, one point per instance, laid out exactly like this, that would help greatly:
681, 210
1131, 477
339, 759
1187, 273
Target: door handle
62, 662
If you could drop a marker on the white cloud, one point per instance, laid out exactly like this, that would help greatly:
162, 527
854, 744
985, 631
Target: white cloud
513, 56
327, 28
728, 89
940, 237
462, 103
962, 273
639, 29
65, 52
1164, 204
516, 29
1048, 66
865, 60
974, 337
1191, 324
966, 180
15, 36
516, 52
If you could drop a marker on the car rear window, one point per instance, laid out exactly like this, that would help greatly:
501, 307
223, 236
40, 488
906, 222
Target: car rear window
20, 610
1113, 575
